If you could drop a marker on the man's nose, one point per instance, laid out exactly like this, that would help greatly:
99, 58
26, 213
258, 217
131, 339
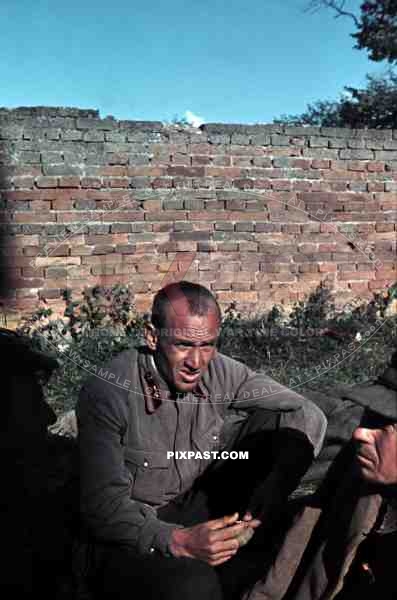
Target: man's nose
194, 359
361, 434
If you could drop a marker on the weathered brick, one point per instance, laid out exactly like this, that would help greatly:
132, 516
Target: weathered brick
69, 182
280, 140
71, 135
357, 154
47, 182
291, 179
318, 142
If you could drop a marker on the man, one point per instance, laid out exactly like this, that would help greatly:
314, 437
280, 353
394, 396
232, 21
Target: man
343, 539
151, 512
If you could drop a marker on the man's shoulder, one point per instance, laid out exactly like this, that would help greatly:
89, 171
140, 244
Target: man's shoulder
124, 359
224, 368
122, 365
227, 362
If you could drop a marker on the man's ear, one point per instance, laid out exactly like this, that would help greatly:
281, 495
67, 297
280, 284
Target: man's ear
150, 334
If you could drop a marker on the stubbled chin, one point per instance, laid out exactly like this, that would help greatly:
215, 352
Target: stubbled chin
184, 386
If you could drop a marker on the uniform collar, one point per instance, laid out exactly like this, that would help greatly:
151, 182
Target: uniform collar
155, 389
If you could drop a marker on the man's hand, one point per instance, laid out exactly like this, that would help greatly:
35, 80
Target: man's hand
214, 542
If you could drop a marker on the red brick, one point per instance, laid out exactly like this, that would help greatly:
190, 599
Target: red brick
31, 251
80, 251
47, 182
380, 284
352, 275
69, 182
384, 227
201, 160
146, 171
23, 182
32, 272
301, 185
229, 172
162, 183
300, 163
60, 204
281, 185
168, 215
98, 259
116, 182
77, 216
327, 267
36, 217
186, 171
114, 172
27, 283
376, 186
226, 296
359, 287
384, 273
375, 167
91, 182
21, 196
125, 215
321, 164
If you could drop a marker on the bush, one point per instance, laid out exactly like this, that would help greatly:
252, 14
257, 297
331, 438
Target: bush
313, 346
90, 333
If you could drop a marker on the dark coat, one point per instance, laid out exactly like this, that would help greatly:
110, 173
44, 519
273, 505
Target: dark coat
316, 553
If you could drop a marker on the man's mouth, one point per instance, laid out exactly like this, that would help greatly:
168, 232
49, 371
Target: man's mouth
190, 377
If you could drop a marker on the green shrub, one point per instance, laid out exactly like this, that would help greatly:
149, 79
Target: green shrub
91, 332
312, 346
315, 346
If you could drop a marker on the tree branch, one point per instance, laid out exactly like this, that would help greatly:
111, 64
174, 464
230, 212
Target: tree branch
338, 6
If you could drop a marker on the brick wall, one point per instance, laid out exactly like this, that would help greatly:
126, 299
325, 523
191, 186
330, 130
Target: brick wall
260, 214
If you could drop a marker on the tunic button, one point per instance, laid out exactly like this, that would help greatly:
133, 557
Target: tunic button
151, 550
145, 463
214, 437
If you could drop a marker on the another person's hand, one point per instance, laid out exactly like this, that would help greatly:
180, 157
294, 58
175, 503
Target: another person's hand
214, 542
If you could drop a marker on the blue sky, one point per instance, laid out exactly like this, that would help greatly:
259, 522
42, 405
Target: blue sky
241, 61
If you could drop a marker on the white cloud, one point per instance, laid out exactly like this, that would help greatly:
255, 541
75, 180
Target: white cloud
193, 119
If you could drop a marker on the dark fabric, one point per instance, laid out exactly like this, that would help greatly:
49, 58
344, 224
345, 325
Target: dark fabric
328, 548
379, 396
128, 574
373, 574
344, 407
223, 489
343, 417
38, 518
125, 472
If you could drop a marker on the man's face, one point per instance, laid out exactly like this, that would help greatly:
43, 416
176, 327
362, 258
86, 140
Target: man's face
376, 452
184, 350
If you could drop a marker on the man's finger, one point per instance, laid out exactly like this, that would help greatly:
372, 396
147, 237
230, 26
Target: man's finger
219, 561
223, 555
248, 516
254, 523
225, 545
222, 521
228, 533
